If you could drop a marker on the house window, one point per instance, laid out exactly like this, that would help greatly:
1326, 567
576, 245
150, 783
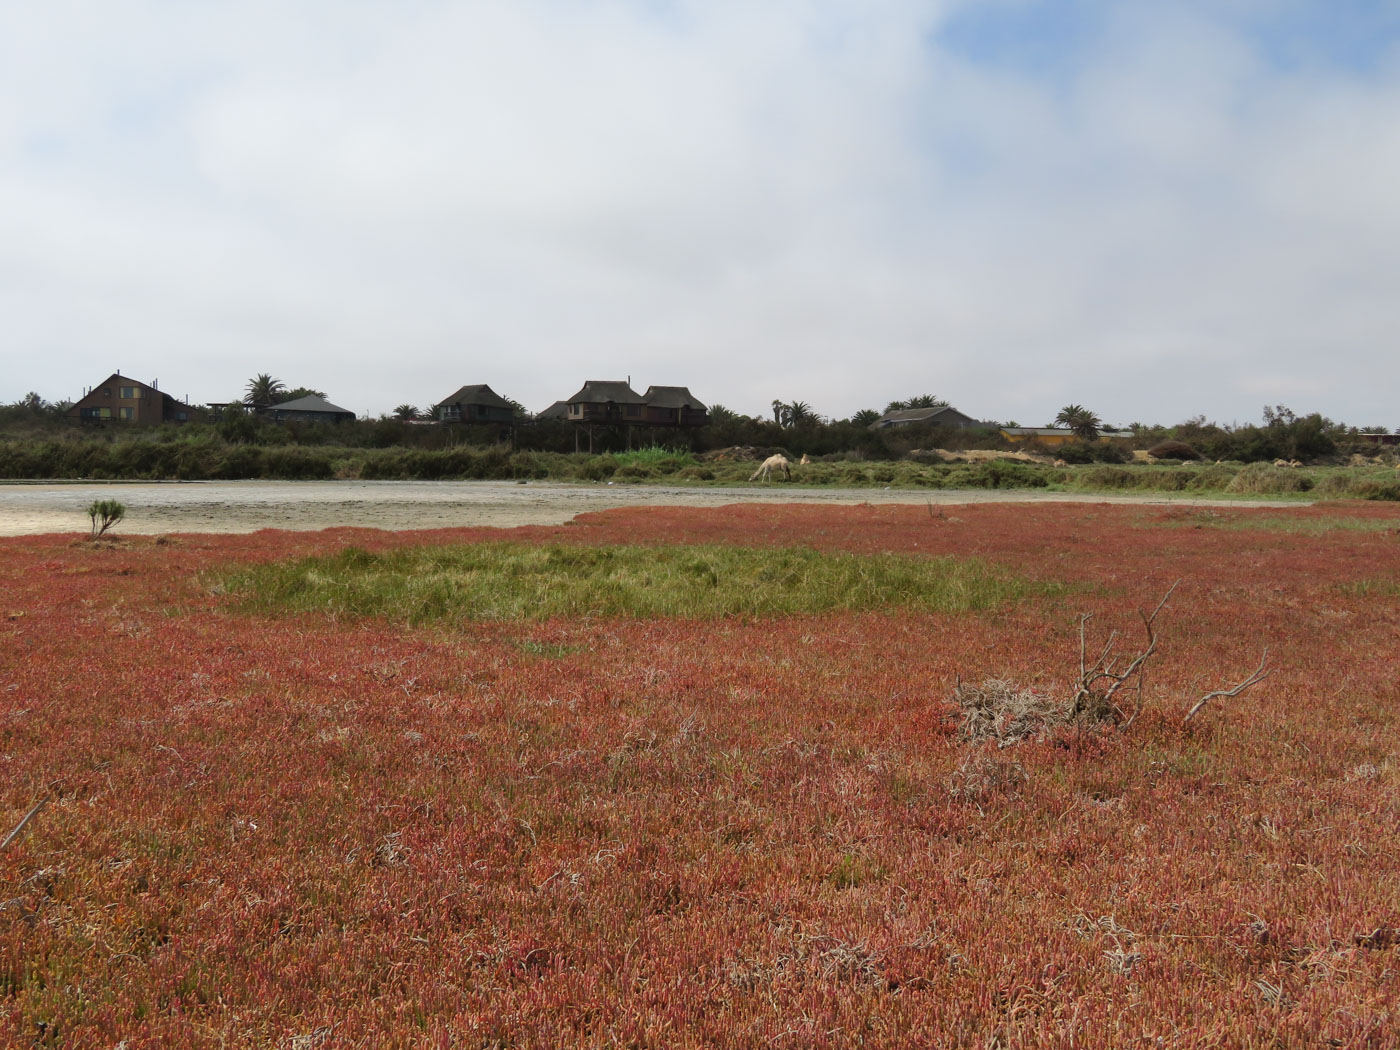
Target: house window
129, 393
127, 413
451, 413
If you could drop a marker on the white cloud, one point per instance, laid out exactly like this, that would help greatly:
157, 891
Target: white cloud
812, 200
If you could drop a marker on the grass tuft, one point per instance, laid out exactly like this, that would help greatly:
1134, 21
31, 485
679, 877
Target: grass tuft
502, 581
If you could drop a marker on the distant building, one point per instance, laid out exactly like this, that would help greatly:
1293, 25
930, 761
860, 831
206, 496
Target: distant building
558, 410
612, 402
1055, 435
310, 409
475, 404
607, 401
123, 399
938, 416
674, 406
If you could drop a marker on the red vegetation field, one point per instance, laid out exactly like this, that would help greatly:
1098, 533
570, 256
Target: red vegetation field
299, 833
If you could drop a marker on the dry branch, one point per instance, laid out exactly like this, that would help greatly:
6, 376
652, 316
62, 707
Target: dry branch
1258, 675
26, 819
1008, 714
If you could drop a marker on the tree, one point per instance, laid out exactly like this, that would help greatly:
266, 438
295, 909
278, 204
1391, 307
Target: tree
406, 412
865, 417
799, 413
263, 390
1085, 424
296, 394
238, 425
919, 401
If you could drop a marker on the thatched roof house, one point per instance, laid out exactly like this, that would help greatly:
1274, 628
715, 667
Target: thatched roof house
476, 403
674, 406
607, 401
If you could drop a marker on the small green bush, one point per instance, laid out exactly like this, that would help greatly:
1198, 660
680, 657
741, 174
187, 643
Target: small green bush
597, 468
1267, 479
104, 514
1215, 478
1374, 488
1173, 449
1108, 478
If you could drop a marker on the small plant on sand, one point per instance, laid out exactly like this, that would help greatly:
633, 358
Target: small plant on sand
1001, 711
104, 514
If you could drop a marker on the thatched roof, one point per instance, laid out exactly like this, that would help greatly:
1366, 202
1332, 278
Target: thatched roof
603, 391
672, 397
558, 410
477, 394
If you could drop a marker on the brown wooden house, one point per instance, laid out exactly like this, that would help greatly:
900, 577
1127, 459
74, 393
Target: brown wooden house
613, 403
123, 399
475, 404
607, 401
674, 406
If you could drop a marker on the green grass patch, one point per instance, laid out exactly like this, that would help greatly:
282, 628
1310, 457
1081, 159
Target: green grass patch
502, 581
1376, 587
548, 650
1207, 518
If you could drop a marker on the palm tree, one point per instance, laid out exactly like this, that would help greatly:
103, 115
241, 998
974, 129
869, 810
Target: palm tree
263, 390
780, 410
865, 417
896, 406
926, 401
406, 412
799, 413
1085, 424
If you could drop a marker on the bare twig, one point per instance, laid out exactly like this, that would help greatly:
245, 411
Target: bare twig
1258, 675
27, 818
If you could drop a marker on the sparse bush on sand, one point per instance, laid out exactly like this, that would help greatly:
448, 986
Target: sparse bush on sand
104, 514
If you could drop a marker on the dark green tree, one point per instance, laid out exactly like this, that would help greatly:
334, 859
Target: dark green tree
263, 390
296, 394
1085, 424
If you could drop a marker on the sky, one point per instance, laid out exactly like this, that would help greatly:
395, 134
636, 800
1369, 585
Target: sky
1156, 209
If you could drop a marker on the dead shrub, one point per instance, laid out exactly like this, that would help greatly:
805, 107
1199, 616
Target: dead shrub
999, 710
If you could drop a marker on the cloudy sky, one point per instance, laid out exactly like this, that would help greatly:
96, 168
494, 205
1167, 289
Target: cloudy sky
1156, 209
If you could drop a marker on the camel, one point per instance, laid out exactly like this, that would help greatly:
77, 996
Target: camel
769, 465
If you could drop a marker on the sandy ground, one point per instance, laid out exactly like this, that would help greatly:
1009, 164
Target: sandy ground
246, 506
